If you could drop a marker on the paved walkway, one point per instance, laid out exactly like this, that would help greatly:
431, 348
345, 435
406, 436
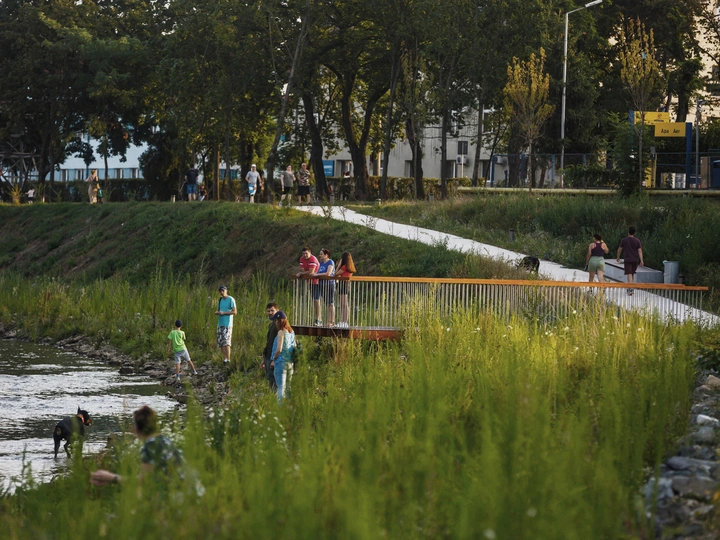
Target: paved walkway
548, 269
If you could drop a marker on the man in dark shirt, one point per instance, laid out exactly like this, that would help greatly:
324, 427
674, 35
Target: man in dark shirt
633, 255
271, 309
191, 182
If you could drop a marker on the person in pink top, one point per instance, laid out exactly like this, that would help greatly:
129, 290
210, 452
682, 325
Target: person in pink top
309, 265
346, 269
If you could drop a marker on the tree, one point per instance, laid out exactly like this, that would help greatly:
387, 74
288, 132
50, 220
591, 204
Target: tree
526, 97
640, 72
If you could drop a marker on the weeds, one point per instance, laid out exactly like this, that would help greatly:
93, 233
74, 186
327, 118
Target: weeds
471, 427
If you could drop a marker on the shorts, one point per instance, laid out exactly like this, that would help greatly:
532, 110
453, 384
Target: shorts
252, 188
191, 189
287, 190
630, 268
224, 336
596, 263
326, 290
303, 190
182, 355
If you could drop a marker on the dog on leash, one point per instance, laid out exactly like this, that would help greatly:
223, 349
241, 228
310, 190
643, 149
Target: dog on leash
69, 428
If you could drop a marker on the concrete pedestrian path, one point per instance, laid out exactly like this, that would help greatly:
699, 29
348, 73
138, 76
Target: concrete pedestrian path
549, 270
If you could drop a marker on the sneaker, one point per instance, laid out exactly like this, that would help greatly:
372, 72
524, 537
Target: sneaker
226, 361
177, 378
630, 292
318, 322
194, 372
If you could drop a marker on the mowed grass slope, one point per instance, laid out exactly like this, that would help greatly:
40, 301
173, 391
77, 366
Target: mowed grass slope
206, 240
559, 228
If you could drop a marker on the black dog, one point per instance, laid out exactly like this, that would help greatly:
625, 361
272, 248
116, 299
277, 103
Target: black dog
530, 263
67, 428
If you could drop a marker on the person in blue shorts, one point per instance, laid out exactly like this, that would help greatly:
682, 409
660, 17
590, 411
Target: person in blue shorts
325, 288
191, 178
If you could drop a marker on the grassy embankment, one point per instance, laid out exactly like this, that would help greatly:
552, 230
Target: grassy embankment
470, 428
560, 228
124, 272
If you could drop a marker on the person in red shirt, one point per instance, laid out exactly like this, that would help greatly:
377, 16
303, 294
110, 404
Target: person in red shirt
309, 265
346, 269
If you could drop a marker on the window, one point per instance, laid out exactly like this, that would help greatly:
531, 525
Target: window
462, 148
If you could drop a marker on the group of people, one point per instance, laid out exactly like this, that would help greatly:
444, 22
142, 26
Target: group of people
324, 288
595, 257
255, 183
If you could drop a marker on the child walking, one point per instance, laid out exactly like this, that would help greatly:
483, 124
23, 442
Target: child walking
176, 341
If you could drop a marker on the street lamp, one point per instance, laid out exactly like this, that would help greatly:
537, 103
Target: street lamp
564, 88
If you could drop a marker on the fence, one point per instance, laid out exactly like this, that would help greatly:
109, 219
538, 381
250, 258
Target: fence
377, 303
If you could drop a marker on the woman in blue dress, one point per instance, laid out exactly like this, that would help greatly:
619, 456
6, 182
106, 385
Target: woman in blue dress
281, 360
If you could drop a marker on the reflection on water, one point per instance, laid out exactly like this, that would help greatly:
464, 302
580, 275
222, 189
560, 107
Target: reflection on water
40, 385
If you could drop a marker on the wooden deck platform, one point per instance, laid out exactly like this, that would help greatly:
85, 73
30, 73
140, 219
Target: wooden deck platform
374, 333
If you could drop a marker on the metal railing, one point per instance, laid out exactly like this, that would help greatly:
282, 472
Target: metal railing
385, 302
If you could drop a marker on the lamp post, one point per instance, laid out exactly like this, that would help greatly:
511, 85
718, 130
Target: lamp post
564, 89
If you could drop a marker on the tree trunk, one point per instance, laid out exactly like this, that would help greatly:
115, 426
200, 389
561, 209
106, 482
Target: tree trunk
227, 156
316, 147
415, 141
479, 139
272, 156
443, 152
395, 68
640, 148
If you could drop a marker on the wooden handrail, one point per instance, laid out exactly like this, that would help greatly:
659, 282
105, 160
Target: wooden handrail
525, 282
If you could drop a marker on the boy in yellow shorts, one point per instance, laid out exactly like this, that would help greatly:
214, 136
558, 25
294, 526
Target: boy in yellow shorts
176, 341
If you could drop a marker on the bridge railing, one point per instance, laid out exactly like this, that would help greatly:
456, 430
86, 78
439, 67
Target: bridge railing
387, 302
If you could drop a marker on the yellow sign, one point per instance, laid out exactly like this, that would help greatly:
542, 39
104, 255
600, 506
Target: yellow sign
674, 129
653, 117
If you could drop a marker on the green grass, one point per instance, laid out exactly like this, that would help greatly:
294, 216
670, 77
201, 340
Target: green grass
471, 428
207, 241
559, 228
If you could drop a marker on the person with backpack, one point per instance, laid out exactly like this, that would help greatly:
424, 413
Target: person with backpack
282, 355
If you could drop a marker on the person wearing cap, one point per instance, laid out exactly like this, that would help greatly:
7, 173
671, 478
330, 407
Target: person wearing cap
281, 360
273, 314
254, 181
176, 342
225, 311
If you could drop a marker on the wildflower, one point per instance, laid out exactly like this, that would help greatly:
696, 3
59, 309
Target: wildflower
640, 329
490, 534
615, 317
577, 349
567, 328
504, 335
628, 325
510, 327
447, 329
574, 311
532, 512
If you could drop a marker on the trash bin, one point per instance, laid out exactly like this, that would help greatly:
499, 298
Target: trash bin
672, 270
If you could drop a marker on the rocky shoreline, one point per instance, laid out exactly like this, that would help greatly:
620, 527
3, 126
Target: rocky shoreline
209, 386
688, 484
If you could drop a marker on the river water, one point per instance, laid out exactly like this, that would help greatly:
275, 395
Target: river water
41, 384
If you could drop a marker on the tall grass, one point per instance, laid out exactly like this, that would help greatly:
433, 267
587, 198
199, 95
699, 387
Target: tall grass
137, 319
471, 427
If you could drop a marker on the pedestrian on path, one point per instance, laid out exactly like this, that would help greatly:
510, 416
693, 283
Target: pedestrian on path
254, 182
633, 255
303, 178
93, 185
176, 343
595, 259
288, 177
225, 312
